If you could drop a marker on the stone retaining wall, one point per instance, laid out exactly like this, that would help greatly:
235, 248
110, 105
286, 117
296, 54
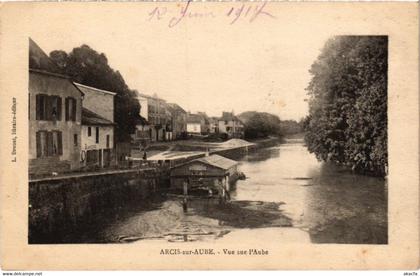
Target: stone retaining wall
60, 205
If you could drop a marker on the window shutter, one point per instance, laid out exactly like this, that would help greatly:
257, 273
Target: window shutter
73, 110
59, 107
38, 107
49, 143
42, 104
67, 108
97, 135
48, 107
60, 142
38, 144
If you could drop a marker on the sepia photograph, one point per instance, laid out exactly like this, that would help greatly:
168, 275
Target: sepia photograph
212, 135
114, 164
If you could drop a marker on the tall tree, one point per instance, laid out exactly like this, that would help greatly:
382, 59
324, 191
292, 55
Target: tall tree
91, 68
347, 121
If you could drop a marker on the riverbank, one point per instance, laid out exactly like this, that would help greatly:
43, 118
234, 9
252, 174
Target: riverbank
287, 193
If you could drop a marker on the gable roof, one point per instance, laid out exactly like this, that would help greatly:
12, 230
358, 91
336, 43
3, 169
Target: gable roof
213, 160
85, 88
204, 116
218, 161
38, 59
91, 118
194, 118
228, 116
173, 107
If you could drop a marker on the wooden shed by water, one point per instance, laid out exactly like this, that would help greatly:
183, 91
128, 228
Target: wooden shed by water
212, 175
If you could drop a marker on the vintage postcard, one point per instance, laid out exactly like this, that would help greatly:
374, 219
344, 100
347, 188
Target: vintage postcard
209, 135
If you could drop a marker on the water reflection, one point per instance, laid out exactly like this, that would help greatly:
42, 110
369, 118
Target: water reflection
288, 196
330, 203
342, 207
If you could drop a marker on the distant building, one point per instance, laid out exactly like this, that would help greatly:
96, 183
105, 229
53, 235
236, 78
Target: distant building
55, 114
194, 123
97, 141
179, 120
198, 123
154, 110
205, 122
213, 125
231, 125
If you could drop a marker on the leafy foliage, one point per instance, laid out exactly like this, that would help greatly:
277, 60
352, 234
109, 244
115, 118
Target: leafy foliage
91, 68
260, 124
289, 127
347, 121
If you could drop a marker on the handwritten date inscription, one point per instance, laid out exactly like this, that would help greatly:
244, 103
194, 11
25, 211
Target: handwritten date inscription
245, 11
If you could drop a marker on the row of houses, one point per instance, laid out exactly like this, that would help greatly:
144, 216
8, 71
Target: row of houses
71, 126
168, 121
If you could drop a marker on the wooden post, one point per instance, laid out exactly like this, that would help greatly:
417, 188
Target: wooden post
223, 195
184, 201
227, 183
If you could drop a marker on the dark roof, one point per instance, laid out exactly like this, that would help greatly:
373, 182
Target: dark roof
91, 118
213, 160
218, 161
38, 59
173, 107
40, 71
228, 116
204, 116
194, 118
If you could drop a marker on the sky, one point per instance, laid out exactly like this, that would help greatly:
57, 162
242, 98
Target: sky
203, 63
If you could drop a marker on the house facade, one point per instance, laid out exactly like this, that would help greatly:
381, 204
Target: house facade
179, 120
231, 125
154, 110
97, 140
213, 125
55, 115
97, 132
194, 123
205, 122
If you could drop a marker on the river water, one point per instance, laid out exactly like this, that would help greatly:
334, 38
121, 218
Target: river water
288, 195
329, 203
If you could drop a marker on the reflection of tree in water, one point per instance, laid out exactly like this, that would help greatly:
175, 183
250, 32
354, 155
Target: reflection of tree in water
262, 155
342, 207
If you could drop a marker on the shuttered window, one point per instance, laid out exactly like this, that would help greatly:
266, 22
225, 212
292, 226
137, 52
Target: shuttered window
48, 108
97, 135
49, 143
40, 106
41, 143
71, 109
